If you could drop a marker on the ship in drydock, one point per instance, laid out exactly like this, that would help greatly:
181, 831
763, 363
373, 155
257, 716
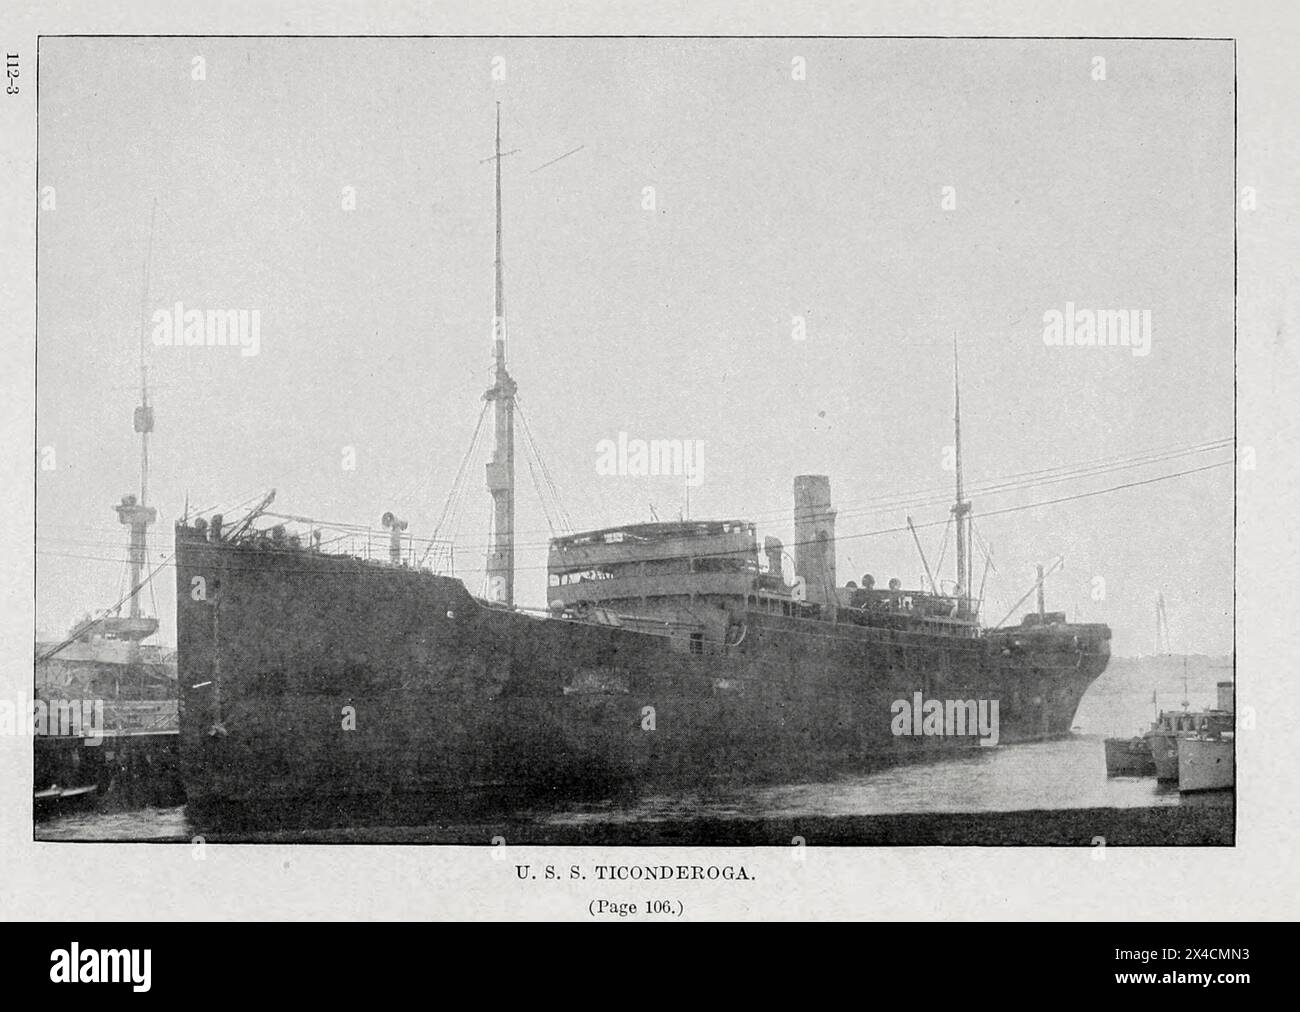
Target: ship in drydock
353, 680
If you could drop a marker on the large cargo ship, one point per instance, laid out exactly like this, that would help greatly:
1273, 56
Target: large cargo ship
670, 652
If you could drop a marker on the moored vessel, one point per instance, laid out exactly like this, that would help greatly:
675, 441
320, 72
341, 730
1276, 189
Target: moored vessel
1129, 757
1172, 726
1207, 759
1206, 763
317, 674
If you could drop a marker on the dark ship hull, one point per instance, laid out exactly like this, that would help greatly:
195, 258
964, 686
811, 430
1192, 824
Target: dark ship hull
347, 684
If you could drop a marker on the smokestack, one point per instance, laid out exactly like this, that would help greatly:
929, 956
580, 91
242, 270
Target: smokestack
814, 537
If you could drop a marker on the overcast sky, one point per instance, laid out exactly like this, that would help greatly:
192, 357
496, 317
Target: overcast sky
774, 198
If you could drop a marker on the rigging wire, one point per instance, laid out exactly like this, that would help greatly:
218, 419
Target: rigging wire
459, 478
556, 503
1007, 510
864, 507
82, 628
456, 501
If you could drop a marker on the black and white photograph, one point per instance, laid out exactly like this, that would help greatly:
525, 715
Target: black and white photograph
667, 446
855, 372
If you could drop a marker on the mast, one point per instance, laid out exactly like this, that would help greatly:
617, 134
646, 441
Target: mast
501, 468
961, 508
144, 424
1162, 624
135, 513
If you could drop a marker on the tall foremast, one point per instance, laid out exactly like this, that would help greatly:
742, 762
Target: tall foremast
961, 508
501, 468
134, 513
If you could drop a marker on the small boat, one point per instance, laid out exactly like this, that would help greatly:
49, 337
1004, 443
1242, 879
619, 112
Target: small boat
53, 798
56, 791
1172, 727
1206, 763
1129, 757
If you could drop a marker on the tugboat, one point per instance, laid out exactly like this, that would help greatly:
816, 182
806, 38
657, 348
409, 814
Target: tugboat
1172, 726
1206, 759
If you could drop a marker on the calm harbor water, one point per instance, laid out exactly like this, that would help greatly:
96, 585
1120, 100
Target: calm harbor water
1065, 774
